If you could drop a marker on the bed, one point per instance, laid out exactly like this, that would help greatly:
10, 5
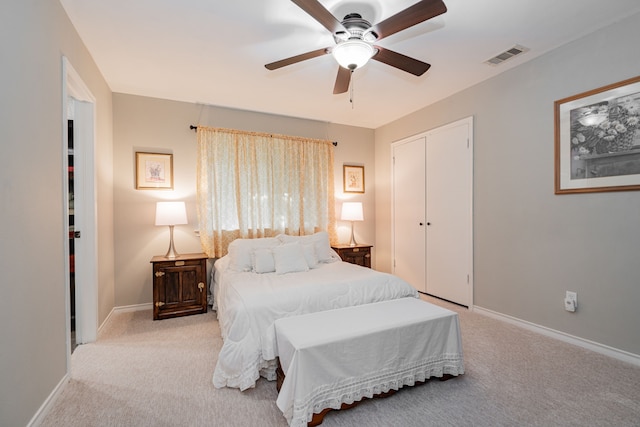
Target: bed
262, 280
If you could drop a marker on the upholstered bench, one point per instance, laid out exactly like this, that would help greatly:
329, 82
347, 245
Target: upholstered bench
331, 359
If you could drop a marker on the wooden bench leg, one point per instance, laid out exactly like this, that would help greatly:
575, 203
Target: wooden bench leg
317, 418
279, 376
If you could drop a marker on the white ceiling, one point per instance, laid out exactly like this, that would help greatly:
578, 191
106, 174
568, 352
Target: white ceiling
214, 51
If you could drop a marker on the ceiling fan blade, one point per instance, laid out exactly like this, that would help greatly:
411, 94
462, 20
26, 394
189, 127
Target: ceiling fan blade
321, 14
400, 61
297, 58
419, 12
342, 81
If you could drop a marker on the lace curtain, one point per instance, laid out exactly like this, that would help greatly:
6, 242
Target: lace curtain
253, 185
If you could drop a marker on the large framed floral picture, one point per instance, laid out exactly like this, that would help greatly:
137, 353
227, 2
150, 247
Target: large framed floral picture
597, 139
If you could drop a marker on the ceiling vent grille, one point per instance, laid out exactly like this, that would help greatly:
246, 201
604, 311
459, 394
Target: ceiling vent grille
506, 55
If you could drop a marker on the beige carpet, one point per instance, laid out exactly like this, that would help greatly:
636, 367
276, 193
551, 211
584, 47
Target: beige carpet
146, 373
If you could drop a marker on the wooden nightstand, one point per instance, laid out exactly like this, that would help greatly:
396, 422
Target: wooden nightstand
179, 285
358, 254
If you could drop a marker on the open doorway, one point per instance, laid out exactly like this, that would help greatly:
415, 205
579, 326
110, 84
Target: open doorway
80, 209
71, 216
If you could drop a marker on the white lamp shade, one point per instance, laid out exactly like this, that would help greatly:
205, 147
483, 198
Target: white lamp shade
352, 54
352, 211
171, 213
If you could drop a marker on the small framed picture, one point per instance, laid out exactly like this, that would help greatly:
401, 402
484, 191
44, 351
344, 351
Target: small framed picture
353, 179
154, 171
597, 140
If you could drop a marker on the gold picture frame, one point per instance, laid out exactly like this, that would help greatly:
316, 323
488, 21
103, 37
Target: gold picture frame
597, 139
154, 171
353, 179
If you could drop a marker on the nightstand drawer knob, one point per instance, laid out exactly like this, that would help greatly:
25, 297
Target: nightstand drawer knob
159, 273
201, 286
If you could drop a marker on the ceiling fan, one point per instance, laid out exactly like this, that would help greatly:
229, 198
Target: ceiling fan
355, 38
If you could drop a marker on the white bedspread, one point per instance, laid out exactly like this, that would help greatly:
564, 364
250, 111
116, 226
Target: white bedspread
340, 356
248, 304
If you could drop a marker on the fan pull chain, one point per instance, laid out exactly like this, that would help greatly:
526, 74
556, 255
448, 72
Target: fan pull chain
351, 90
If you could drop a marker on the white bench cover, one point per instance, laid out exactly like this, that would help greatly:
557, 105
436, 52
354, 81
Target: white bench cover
340, 356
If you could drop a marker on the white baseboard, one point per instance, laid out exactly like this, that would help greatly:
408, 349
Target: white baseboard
135, 307
48, 403
625, 356
124, 309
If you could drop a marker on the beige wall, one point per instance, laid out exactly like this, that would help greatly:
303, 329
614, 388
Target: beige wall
34, 37
155, 125
531, 245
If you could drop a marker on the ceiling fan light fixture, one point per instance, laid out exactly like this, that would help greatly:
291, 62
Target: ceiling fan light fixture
353, 53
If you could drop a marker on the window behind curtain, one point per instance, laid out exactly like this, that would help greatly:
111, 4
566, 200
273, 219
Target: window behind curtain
253, 185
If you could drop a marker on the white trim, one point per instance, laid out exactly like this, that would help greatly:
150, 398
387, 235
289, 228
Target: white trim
77, 98
46, 406
615, 353
85, 221
135, 307
65, 208
125, 309
106, 320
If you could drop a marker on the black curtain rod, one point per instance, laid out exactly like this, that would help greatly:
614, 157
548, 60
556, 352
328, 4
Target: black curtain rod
195, 128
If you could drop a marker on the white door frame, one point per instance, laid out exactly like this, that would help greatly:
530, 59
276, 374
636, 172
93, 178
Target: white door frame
469, 122
79, 103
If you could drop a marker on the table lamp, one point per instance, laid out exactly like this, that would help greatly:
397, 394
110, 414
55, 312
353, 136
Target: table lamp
171, 213
352, 211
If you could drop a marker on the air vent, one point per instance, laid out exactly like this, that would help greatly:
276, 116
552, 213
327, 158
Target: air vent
507, 54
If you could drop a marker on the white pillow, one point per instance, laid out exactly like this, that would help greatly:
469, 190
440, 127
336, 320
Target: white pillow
289, 258
319, 239
262, 261
240, 251
309, 252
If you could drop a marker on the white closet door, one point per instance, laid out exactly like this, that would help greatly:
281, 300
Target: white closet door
409, 212
449, 213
